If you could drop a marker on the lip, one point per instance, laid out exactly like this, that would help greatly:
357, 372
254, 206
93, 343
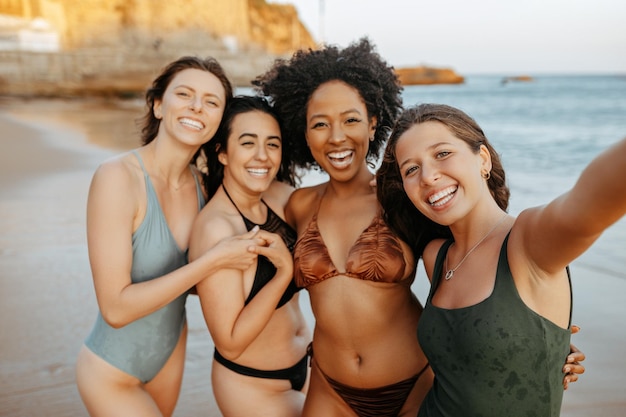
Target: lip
441, 197
341, 158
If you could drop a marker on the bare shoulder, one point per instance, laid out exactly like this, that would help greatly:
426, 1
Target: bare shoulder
429, 255
277, 196
216, 221
118, 179
303, 203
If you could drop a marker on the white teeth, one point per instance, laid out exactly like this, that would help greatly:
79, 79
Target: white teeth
192, 123
259, 171
339, 155
442, 197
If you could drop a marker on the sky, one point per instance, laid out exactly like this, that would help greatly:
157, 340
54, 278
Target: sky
507, 37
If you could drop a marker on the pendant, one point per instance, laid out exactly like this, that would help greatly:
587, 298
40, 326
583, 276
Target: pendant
449, 274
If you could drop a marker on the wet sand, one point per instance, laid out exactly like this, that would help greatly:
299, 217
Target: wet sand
48, 152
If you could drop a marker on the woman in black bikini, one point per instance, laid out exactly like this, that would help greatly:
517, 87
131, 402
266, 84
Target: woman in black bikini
260, 362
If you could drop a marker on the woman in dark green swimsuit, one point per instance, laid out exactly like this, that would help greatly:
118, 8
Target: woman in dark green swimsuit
496, 324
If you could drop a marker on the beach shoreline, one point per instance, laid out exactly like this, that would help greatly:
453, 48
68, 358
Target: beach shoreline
49, 150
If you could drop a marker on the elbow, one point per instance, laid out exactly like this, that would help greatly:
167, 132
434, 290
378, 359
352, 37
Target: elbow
229, 353
113, 318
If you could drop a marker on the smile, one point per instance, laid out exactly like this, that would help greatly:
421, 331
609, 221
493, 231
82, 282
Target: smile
194, 124
442, 197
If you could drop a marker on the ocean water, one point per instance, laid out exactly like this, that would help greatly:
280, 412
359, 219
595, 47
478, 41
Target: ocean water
546, 131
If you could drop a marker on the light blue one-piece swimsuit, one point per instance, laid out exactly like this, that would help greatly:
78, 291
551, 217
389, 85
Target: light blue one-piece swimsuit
142, 347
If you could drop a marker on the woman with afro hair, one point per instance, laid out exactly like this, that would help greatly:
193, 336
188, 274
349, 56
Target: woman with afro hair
337, 106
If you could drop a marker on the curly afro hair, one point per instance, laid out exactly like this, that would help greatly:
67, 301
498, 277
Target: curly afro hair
289, 85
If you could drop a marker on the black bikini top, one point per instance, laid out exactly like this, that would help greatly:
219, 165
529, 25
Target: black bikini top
265, 270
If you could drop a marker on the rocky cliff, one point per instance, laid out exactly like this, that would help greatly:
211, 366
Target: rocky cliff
116, 46
423, 75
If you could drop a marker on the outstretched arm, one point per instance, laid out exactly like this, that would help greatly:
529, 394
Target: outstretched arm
556, 234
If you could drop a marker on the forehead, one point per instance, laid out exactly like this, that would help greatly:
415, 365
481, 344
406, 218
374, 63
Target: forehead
199, 80
335, 94
424, 135
255, 121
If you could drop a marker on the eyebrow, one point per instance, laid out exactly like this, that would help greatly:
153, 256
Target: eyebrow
433, 146
194, 90
343, 113
254, 135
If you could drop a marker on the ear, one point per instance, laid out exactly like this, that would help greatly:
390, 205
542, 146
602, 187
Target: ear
156, 109
221, 155
373, 124
485, 159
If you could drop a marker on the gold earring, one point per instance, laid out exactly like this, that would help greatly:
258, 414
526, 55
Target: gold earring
486, 175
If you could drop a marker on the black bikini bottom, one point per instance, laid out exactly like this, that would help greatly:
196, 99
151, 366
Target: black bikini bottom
296, 374
384, 401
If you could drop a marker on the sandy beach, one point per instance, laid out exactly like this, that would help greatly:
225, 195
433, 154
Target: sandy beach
48, 152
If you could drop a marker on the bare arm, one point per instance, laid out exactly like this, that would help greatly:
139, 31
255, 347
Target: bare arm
232, 324
111, 209
554, 235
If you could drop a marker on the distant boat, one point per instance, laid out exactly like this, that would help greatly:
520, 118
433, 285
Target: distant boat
423, 75
517, 78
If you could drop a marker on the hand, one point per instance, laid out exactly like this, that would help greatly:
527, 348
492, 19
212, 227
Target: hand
276, 251
235, 251
572, 367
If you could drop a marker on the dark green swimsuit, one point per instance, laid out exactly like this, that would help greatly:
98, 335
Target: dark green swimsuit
497, 358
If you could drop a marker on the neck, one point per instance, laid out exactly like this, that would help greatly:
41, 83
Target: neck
360, 184
248, 203
171, 165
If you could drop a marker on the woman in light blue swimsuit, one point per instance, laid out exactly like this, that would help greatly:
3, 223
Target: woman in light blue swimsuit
140, 211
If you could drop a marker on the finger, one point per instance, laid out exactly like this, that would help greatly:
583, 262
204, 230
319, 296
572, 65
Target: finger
575, 355
575, 329
251, 233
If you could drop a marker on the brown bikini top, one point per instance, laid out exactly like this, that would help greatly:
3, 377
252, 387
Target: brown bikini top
375, 256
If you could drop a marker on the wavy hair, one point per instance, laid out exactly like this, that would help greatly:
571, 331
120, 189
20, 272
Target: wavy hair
398, 211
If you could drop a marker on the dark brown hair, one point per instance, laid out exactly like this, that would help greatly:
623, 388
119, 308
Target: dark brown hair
399, 212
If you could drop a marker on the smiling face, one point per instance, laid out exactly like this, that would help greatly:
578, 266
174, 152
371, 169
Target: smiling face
441, 175
338, 130
192, 107
254, 151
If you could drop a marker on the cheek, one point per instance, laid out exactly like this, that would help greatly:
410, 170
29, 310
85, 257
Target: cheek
411, 188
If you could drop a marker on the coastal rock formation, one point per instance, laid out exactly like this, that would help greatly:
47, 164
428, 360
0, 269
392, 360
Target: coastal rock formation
140, 23
423, 75
115, 47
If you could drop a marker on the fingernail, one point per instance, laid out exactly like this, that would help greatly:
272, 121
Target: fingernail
568, 369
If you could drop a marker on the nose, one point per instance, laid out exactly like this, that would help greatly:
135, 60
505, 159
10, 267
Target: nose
261, 153
429, 174
196, 104
337, 134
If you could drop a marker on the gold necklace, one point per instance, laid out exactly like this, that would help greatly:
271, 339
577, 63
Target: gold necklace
451, 272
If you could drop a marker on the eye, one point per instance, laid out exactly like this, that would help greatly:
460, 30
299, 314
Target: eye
274, 145
442, 154
410, 170
353, 120
211, 103
318, 125
183, 94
